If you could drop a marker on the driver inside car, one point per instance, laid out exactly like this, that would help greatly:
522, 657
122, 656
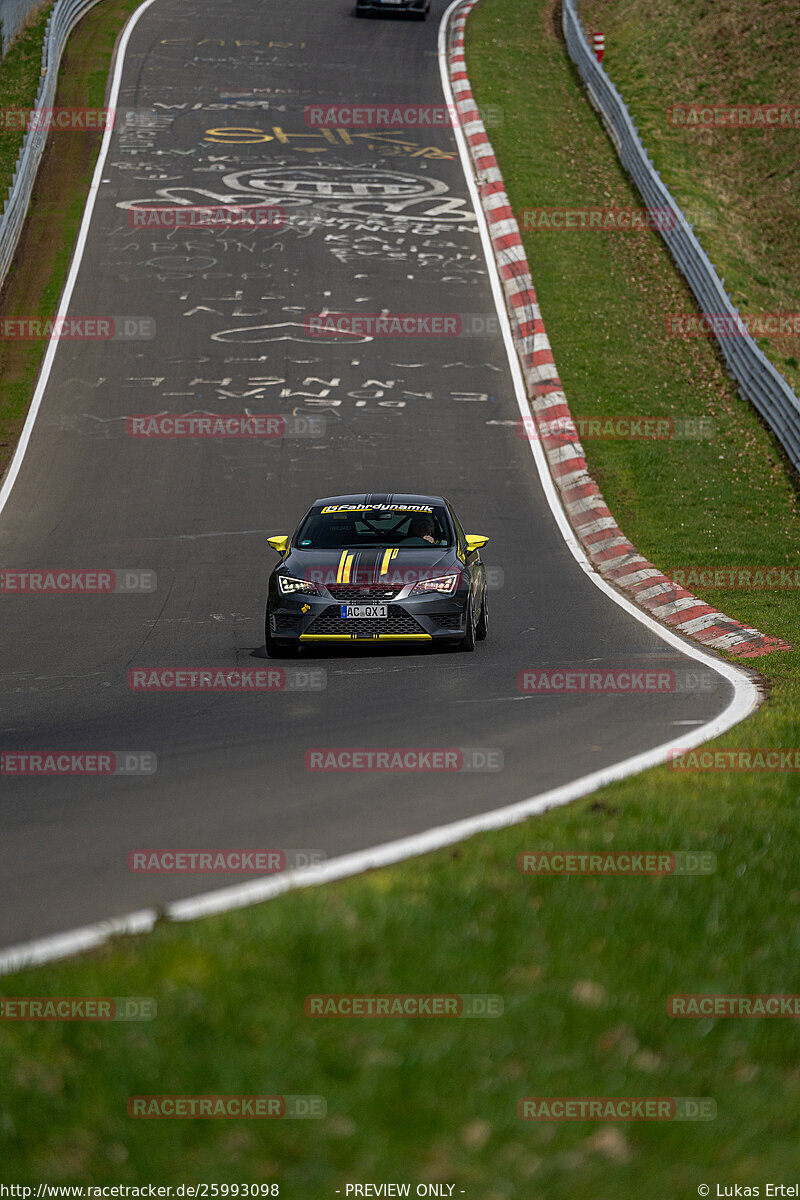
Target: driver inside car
422, 527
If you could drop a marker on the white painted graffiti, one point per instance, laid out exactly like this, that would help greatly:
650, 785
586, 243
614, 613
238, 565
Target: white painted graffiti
312, 191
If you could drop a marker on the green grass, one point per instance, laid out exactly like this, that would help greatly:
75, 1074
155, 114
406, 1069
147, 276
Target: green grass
740, 187
436, 1100
584, 965
16, 388
38, 272
20, 74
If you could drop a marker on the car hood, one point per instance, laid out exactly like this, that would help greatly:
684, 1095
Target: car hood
372, 566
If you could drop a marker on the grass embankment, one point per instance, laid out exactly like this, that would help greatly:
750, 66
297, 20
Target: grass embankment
20, 73
740, 186
584, 965
39, 269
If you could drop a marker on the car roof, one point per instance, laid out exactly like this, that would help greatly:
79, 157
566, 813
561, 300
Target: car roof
380, 498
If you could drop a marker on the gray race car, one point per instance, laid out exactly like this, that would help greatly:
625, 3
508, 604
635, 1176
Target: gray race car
377, 567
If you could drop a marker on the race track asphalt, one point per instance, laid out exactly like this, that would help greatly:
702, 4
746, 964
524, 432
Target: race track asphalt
375, 222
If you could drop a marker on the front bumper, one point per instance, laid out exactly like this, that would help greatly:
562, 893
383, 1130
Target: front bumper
305, 618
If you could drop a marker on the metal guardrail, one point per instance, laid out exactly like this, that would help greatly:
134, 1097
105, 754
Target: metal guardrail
62, 20
759, 381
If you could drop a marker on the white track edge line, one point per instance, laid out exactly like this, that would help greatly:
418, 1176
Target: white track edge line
91, 937
745, 698
77, 257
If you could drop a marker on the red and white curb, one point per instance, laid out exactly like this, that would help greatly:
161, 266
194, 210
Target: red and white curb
617, 560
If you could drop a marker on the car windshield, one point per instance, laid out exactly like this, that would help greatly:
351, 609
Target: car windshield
357, 525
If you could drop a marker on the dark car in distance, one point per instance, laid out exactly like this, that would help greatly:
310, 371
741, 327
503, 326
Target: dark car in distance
418, 9
377, 567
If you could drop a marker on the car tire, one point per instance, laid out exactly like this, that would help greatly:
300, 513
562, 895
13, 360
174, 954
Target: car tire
482, 628
468, 641
274, 648
358, 11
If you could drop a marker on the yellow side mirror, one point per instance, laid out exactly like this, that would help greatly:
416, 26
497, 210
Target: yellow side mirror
475, 541
279, 542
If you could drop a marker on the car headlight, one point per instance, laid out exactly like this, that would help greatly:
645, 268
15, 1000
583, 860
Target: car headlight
445, 585
289, 585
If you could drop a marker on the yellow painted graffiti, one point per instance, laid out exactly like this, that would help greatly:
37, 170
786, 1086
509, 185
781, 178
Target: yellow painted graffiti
389, 144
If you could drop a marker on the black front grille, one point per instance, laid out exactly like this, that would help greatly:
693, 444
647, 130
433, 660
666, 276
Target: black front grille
447, 620
368, 593
281, 623
396, 621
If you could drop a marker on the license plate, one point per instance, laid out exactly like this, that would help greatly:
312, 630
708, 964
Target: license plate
362, 611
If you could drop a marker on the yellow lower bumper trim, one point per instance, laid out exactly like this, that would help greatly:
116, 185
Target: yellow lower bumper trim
354, 637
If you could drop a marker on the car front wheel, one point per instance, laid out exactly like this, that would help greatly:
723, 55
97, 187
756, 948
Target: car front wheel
468, 641
482, 628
